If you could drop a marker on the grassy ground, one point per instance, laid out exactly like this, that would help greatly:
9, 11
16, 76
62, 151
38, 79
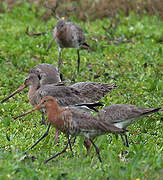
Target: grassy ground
137, 69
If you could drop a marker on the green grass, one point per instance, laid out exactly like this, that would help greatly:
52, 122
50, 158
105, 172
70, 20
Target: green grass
135, 67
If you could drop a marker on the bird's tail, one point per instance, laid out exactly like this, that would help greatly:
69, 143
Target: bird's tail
86, 46
107, 127
152, 110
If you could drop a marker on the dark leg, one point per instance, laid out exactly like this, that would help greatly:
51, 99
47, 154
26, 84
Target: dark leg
59, 62
97, 150
45, 134
64, 150
125, 142
43, 122
69, 142
110, 139
78, 60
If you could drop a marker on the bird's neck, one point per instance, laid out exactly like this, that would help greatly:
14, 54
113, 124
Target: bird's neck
55, 117
32, 91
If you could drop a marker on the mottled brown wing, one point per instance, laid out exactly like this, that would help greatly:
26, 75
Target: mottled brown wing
93, 90
64, 95
121, 112
86, 121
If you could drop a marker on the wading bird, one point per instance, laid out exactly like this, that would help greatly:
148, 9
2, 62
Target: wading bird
65, 96
122, 116
73, 121
46, 74
68, 35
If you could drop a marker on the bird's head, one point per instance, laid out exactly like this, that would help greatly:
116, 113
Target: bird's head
32, 79
46, 102
60, 25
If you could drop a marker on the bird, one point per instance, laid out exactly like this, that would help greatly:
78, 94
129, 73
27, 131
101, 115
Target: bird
68, 35
46, 73
122, 116
65, 95
73, 121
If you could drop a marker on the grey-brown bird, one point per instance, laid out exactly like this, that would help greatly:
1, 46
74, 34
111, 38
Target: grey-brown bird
73, 121
93, 90
68, 35
65, 95
122, 116
45, 73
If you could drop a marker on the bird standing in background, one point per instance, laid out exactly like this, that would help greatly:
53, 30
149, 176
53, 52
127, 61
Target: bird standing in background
73, 121
68, 35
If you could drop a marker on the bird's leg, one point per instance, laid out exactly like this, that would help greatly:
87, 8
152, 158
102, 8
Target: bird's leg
127, 144
64, 150
78, 60
110, 139
56, 136
59, 62
124, 143
69, 142
97, 150
87, 145
43, 122
44, 135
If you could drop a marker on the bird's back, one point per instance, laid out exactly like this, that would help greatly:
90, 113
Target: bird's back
65, 96
123, 114
93, 90
84, 123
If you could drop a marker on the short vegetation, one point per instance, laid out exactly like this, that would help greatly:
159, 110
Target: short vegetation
125, 50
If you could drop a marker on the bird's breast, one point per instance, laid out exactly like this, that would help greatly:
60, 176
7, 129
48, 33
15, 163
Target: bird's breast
67, 39
63, 43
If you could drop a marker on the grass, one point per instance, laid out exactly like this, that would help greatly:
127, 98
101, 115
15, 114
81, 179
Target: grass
135, 67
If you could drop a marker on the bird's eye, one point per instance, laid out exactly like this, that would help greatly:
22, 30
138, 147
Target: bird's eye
39, 76
43, 101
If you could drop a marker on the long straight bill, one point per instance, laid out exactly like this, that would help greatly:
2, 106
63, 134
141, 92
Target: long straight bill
51, 42
15, 92
28, 112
